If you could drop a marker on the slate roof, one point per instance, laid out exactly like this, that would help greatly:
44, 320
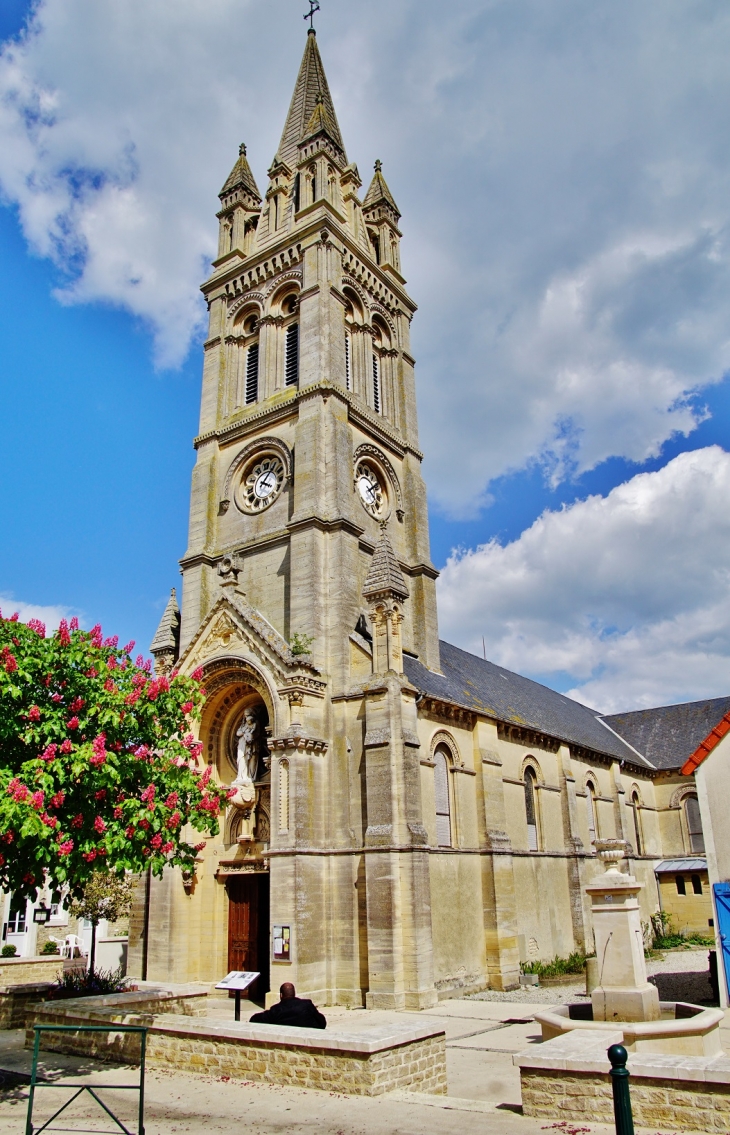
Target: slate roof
667, 736
489, 689
311, 84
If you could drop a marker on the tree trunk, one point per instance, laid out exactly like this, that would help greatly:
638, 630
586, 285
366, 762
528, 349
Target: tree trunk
92, 951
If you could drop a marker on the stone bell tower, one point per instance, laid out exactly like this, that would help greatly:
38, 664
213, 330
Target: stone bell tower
307, 574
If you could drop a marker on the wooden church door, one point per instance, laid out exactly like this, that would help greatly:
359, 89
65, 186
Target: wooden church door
248, 928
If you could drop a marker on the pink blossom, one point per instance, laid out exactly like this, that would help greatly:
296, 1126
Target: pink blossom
34, 713
113, 642
56, 698
139, 661
187, 707
129, 647
167, 847
72, 723
66, 847
129, 832
49, 821
148, 665
63, 636
58, 799
110, 686
97, 759
132, 697
89, 856
173, 821
18, 791
144, 824
206, 775
99, 825
66, 746
14, 617
142, 753
111, 663
9, 660
197, 674
37, 626
101, 794
38, 798
76, 705
77, 821
74, 624
148, 796
92, 672
156, 841
95, 635
49, 753
118, 813
199, 846
172, 800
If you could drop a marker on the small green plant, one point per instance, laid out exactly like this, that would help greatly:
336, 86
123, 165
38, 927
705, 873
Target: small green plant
301, 643
8, 952
558, 967
81, 983
50, 948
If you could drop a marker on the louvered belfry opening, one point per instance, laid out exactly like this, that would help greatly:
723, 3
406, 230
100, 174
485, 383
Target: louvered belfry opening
291, 366
348, 362
376, 384
443, 800
252, 374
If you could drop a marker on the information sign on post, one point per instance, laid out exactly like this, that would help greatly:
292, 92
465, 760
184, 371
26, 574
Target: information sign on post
235, 982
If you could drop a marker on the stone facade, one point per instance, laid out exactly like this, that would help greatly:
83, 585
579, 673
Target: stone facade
387, 831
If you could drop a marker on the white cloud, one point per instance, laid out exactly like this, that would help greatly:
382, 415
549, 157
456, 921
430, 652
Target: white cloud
50, 615
561, 169
626, 598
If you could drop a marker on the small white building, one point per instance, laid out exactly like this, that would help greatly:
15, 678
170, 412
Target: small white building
710, 766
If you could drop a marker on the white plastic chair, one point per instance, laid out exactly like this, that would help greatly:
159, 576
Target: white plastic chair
72, 943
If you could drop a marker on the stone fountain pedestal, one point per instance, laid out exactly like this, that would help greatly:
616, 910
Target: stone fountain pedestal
680, 1075
623, 992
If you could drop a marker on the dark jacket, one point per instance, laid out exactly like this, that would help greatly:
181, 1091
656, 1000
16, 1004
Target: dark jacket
295, 1011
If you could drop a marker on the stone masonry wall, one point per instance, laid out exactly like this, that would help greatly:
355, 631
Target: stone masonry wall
420, 1066
684, 1106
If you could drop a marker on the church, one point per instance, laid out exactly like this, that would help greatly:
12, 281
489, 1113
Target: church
409, 821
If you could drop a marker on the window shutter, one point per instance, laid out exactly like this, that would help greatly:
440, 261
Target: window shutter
376, 384
443, 803
291, 366
252, 374
348, 363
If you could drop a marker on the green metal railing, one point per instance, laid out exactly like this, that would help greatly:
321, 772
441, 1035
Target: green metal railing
618, 1056
35, 1083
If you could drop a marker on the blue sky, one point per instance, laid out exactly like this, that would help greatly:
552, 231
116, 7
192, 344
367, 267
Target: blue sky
564, 187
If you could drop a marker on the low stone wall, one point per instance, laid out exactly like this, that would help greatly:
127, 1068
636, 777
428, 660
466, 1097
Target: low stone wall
568, 1079
22, 971
16, 1002
376, 1060
409, 1059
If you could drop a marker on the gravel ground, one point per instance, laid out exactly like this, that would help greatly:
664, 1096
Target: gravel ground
680, 975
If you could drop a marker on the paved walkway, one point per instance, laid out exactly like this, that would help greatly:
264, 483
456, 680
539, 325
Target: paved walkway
483, 1099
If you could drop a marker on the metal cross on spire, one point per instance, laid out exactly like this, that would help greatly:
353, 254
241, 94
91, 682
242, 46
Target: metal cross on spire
313, 7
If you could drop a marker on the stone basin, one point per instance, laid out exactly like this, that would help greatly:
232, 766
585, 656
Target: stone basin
683, 1029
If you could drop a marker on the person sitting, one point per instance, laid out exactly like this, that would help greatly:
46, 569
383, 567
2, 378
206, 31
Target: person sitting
291, 1010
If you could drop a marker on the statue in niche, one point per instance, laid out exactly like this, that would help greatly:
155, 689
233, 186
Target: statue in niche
247, 749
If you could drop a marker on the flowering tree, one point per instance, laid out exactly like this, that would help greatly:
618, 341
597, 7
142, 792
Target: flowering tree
104, 896
98, 766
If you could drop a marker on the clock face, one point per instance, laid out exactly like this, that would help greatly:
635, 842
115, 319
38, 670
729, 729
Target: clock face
370, 489
261, 483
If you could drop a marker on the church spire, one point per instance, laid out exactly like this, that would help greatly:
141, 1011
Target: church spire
311, 106
241, 177
379, 194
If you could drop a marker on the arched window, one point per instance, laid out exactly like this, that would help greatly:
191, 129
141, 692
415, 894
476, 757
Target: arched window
531, 809
443, 799
696, 884
694, 825
681, 888
591, 812
283, 796
289, 307
635, 806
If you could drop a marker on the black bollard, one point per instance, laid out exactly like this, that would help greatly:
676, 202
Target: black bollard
618, 1056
